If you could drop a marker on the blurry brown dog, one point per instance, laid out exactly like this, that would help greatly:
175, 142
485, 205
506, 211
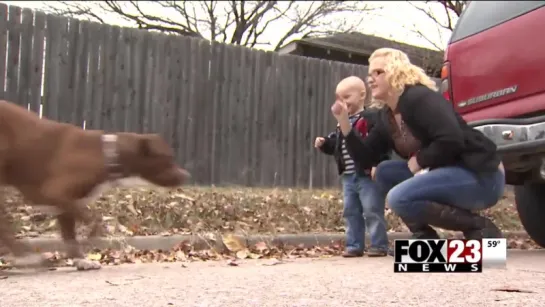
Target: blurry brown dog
64, 167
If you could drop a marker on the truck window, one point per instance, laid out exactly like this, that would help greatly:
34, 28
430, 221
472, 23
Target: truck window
481, 15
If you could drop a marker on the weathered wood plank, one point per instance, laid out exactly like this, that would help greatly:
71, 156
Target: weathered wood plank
109, 85
328, 121
190, 113
217, 79
160, 93
302, 143
168, 101
255, 102
25, 58
93, 96
177, 80
13, 60
182, 122
227, 110
69, 72
305, 117
177, 100
227, 128
82, 73
157, 112
56, 27
3, 47
139, 62
245, 84
120, 84
191, 125
237, 163
150, 84
204, 120
277, 100
36, 68
295, 138
267, 155
321, 123
130, 107
315, 113
292, 75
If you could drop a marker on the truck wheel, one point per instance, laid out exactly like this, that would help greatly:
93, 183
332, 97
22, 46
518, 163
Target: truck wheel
530, 199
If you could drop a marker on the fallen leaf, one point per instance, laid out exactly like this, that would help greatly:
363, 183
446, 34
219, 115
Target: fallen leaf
254, 256
131, 208
261, 246
232, 263
243, 254
183, 196
233, 243
272, 261
512, 290
94, 256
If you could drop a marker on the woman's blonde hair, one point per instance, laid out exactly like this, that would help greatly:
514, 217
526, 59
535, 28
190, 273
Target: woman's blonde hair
400, 71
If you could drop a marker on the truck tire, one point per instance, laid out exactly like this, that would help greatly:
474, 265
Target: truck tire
530, 200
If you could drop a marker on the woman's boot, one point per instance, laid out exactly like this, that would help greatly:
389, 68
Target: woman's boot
473, 226
419, 231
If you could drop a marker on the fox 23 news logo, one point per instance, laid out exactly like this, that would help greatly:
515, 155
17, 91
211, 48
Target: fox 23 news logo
441, 256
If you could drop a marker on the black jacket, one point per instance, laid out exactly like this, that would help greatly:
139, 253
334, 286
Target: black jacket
333, 144
445, 136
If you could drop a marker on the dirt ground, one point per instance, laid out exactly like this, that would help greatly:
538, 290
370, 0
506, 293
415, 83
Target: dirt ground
291, 283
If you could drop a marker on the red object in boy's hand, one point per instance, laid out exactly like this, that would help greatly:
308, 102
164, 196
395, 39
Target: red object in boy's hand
361, 126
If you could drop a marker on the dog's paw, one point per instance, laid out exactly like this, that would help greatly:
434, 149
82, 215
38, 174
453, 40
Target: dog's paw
34, 260
86, 265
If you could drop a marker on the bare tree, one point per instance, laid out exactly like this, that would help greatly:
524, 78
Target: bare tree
445, 18
236, 22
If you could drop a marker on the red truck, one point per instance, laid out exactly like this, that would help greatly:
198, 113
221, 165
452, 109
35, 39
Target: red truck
494, 74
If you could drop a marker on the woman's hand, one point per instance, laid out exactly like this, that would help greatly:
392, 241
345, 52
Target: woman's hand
340, 111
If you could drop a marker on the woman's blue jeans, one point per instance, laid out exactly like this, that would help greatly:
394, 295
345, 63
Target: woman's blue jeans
407, 194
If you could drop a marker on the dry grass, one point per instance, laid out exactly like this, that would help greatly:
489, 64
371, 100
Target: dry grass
225, 210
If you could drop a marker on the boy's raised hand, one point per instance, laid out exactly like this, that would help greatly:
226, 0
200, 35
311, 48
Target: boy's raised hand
339, 109
319, 142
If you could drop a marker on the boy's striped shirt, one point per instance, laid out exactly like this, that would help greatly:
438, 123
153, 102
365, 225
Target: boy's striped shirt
348, 162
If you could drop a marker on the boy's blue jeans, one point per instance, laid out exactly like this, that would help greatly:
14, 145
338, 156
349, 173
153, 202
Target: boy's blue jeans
363, 208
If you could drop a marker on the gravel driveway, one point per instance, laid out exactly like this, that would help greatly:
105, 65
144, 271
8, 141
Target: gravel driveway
302, 282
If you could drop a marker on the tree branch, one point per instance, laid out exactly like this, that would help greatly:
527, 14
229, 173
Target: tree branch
237, 22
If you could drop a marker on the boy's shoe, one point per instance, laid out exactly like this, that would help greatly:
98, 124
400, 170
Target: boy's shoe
391, 252
376, 252
351, 254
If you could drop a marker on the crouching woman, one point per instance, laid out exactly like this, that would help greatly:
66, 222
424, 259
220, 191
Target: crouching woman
462, 172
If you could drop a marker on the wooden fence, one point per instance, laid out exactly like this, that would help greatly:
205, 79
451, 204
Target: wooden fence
234, 115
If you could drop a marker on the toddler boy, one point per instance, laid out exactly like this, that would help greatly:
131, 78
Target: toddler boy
362, 198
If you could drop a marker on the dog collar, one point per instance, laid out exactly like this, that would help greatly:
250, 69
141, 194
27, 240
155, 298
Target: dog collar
111, 156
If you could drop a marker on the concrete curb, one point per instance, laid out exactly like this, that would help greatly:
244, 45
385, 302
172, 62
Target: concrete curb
200, 242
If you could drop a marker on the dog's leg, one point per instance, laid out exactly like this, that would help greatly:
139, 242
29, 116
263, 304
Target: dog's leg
67, 223
24, 256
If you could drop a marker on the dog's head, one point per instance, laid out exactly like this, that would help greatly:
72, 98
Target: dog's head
153, 160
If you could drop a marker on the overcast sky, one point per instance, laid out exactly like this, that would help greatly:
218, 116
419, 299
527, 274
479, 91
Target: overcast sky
394, 21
